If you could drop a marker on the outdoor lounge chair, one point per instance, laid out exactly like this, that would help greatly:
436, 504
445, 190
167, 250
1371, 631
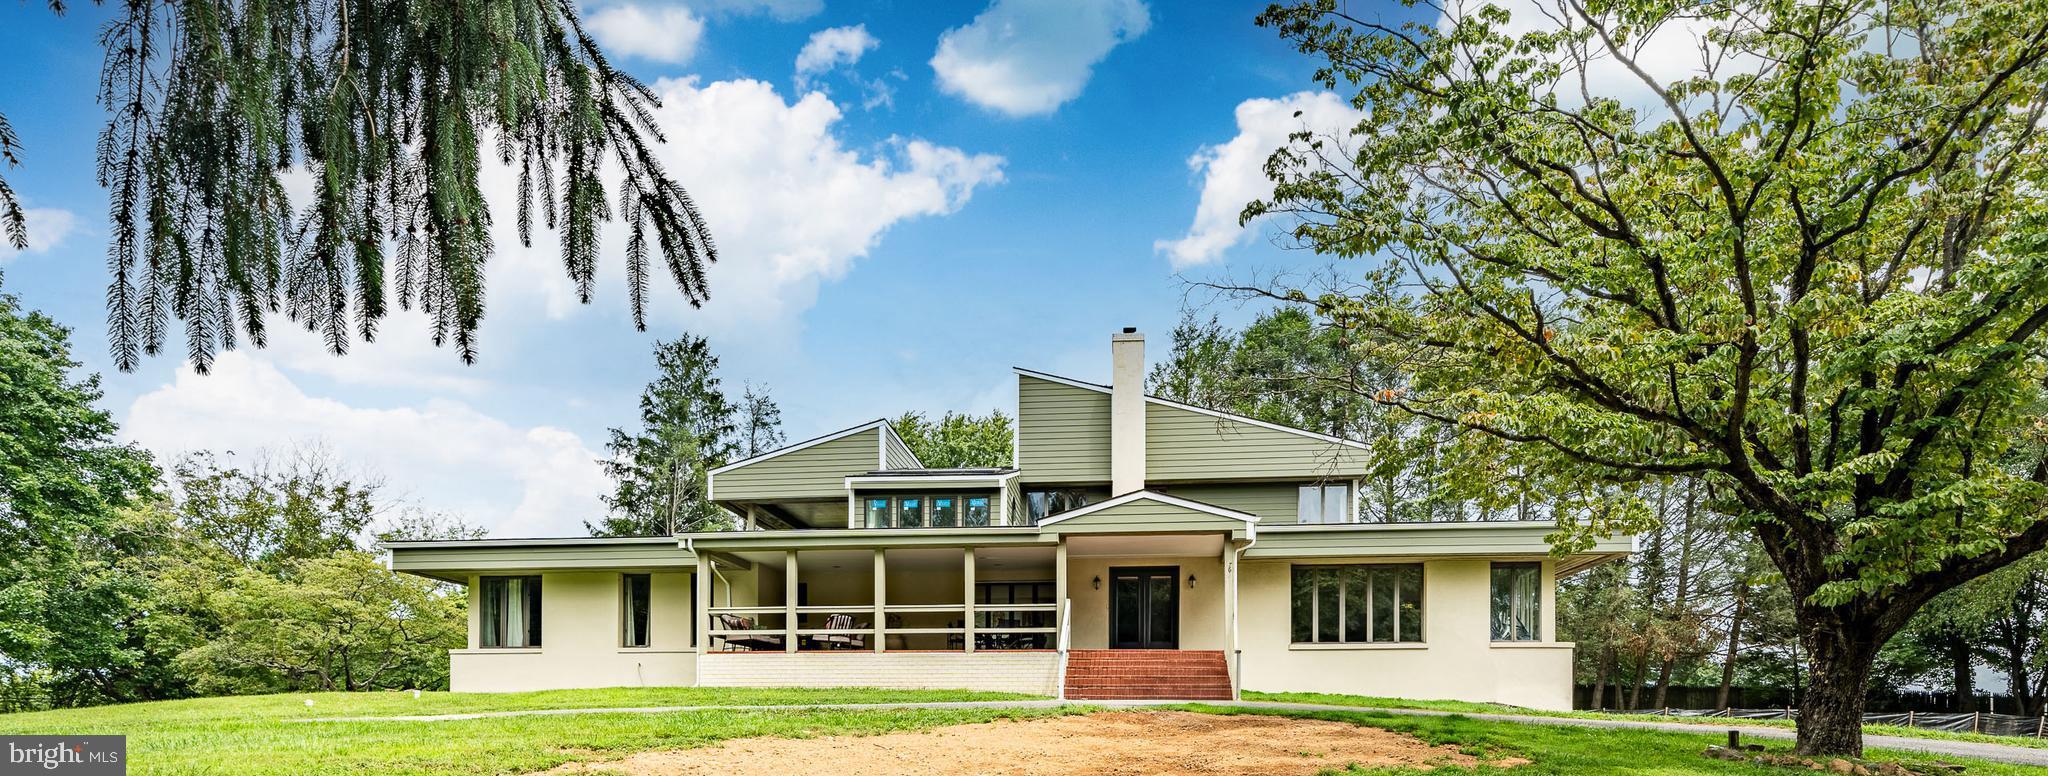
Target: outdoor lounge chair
842, 640
749, 643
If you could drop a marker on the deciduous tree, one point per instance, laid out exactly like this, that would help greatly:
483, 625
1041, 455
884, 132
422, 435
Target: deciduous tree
957, 439
1812, 271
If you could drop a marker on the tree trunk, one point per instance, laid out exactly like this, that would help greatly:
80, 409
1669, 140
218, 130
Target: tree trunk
1964, 676
1635, 687
1734, 643
1663, 682
1839, 659
1601, 669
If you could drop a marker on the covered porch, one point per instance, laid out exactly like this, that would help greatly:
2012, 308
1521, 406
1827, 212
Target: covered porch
880, 599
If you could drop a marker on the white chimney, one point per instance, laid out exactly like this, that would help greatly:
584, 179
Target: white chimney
1126, 412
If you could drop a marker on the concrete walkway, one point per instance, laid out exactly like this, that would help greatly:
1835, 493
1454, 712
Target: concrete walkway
2018, 755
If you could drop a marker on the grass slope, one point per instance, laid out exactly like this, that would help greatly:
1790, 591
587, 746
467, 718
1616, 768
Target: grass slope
1466, 707
271, 735
1571, 751
264, 734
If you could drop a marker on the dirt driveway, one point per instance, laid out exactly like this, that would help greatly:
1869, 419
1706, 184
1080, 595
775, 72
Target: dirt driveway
1124, 742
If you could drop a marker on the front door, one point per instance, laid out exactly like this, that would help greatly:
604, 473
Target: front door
1144, 608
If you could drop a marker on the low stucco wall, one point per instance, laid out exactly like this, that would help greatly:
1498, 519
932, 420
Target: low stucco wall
1022, 672
1457, 659
580, 622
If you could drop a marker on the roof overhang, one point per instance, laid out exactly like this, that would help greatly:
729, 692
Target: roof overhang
458, 560
920, 481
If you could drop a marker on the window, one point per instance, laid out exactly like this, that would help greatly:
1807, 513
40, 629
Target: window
510, 616
910, 513
633, 590
1046, 503
1357, 604
1325, 504
878, 513
1517, 601
977, 512
945, 511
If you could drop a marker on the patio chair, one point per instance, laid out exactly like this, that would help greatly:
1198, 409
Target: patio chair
750, 643
842, 640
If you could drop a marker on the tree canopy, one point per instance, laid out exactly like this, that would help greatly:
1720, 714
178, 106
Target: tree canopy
688, 426
957, 439
394, 109
1809, 271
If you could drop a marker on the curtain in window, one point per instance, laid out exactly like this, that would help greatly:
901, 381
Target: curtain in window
515, 612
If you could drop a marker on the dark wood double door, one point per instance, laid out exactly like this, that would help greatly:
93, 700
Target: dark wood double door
1144, 607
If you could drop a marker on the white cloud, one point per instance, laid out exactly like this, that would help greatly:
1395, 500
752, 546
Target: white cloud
47, 226
662, 34
789, 204
1233, 173
514, 481
830, 48
1025, 57
1672, 53
402, 357
781, 10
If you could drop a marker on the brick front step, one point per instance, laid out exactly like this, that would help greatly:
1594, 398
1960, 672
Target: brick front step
1112, 674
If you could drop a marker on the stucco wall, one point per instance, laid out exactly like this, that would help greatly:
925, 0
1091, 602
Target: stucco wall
580, 635
1024, 672
1457, 659
1201, 607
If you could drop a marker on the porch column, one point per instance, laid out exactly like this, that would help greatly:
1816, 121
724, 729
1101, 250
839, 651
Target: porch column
967, 601
476, 608
703, 580
1230, 612
789, 600
881, 600
1059, 591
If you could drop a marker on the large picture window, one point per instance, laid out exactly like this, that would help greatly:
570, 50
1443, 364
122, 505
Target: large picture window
1324, 504
510, 616
1517, 601
1357, 604
633, 594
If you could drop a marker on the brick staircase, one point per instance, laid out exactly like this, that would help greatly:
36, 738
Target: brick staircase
1129, 674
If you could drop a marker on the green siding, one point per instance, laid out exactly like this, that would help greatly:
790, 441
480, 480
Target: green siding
1062, 432
818, 471
1274, 502
1144, 516
1187, 445
1424, 539
896, 455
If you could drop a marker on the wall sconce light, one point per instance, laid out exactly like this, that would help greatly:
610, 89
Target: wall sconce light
1098, 581
1191, 581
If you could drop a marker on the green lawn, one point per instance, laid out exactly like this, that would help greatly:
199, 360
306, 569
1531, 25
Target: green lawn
270, 734
1466, 707
261, 734
1569, 751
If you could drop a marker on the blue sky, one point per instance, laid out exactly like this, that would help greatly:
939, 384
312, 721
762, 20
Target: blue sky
945, 190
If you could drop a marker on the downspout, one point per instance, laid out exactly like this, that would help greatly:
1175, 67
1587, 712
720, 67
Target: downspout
1251, 532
